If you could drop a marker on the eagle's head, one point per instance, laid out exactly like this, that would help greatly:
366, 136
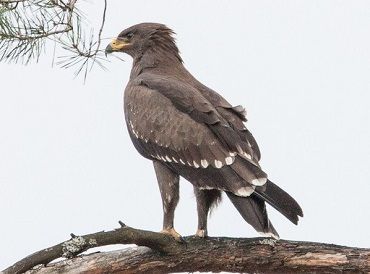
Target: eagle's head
152, 38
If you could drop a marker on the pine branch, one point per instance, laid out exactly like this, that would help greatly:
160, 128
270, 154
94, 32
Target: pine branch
27, 25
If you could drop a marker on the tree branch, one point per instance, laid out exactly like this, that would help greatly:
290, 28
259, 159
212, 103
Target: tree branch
262, 255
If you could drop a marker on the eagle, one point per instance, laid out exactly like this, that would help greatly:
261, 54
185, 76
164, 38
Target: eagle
189, 130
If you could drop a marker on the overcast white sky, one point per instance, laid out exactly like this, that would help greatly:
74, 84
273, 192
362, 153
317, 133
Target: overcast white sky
302, 70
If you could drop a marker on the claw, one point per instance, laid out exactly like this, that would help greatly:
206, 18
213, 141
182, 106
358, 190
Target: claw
173, 233
201, 233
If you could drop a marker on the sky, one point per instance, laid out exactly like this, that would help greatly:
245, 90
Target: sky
301, 69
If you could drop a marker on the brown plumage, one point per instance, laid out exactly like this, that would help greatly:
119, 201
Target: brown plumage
189, 130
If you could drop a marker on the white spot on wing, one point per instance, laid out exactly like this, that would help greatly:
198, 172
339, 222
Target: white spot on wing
246, 155
182, 162
229, 160
133, 129
168, 159
245, 191
204, 163
259, 181
218, 164
195, 164
174, 159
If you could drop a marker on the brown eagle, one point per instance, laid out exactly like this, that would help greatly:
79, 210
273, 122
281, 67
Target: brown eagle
189, 130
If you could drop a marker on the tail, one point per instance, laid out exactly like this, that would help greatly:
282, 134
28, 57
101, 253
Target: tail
253, 208
280, 200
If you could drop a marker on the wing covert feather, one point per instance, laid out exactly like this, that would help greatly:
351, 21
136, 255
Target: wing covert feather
152, 117
187, 99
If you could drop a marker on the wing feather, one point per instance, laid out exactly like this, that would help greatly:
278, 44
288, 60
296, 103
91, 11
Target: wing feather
152, 116
184, 130
234, 115
189, 100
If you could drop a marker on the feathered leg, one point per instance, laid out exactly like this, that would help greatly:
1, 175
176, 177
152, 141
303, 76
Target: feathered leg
168, 183
206, 199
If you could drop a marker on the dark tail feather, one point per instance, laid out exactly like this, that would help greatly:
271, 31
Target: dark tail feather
253, 210
280, 200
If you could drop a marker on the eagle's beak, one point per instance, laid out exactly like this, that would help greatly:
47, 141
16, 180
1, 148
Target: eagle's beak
108, 50
116, 45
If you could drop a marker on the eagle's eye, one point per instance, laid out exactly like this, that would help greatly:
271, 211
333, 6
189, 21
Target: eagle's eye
129, 35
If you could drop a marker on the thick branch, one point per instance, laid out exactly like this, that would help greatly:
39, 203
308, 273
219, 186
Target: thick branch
79, 244
260, 255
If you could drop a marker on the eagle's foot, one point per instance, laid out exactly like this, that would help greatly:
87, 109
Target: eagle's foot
201, 233
173, 233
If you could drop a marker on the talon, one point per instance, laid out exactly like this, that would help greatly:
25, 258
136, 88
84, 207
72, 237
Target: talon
201, 233
173, 233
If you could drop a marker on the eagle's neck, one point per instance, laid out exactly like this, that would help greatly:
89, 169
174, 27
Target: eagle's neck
159, 52
158, 60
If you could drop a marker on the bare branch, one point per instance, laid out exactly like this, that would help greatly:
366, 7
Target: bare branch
77, 245
261, 255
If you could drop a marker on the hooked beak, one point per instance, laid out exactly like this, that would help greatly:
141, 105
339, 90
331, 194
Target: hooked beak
116, 45
108, 50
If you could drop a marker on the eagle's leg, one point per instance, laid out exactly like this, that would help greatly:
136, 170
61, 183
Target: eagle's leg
168, 183
206, 199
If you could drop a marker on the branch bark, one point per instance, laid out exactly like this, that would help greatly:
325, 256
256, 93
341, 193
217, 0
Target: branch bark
257, 255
